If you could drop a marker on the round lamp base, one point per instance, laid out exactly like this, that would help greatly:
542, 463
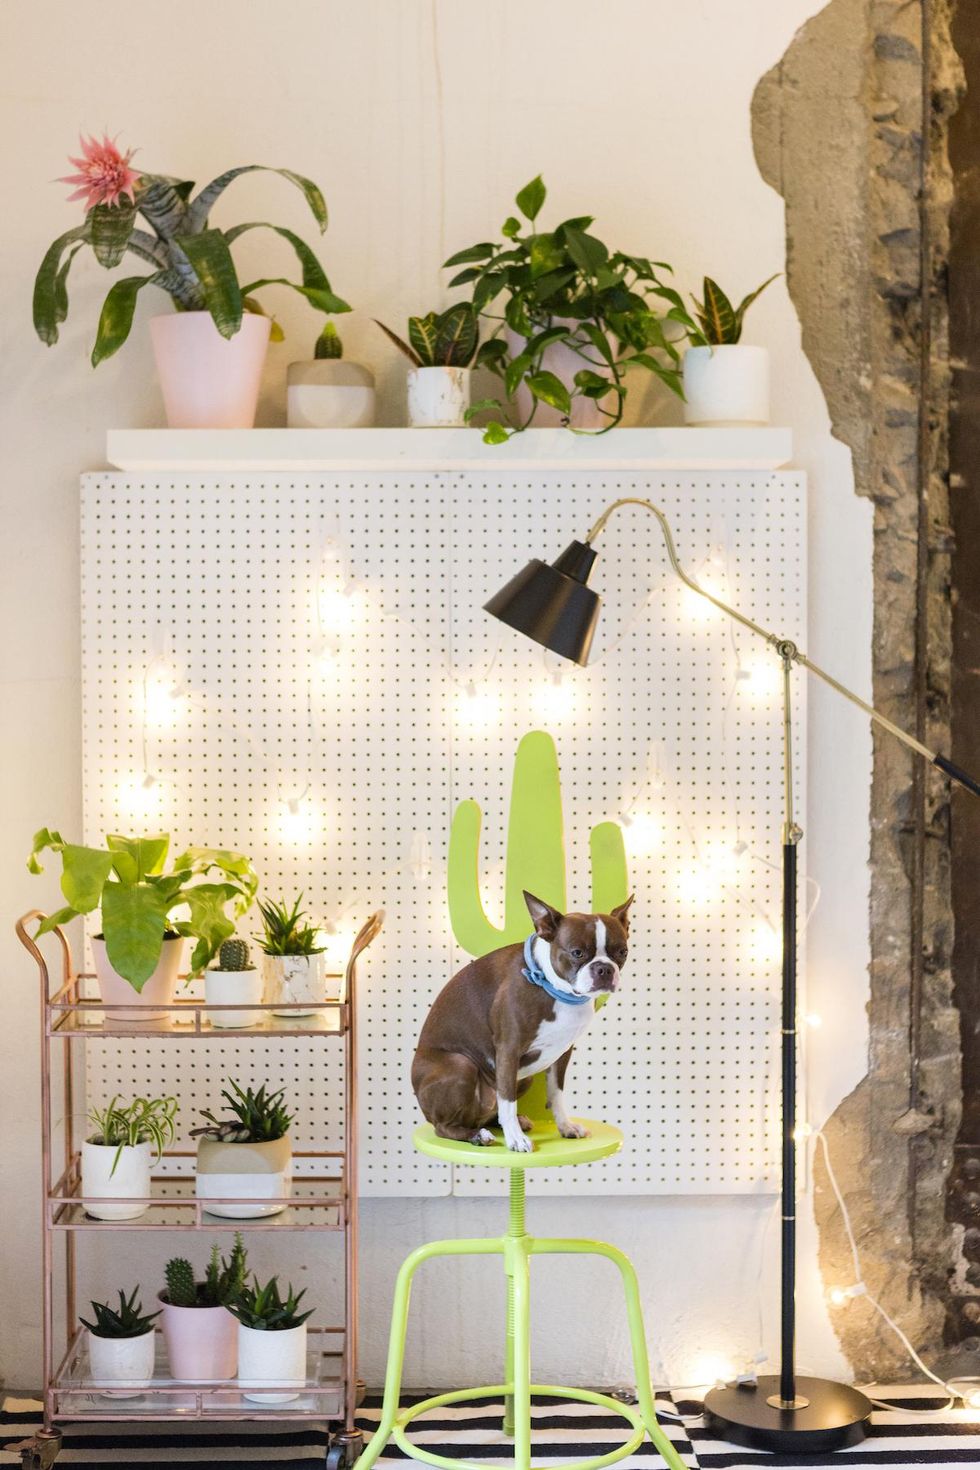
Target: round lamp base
831, 1417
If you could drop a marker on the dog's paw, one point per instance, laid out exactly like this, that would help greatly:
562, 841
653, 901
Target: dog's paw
483, 1136
520, 1144
525, 1124
573, 1130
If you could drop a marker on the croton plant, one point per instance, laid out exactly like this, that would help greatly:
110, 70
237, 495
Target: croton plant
191, 259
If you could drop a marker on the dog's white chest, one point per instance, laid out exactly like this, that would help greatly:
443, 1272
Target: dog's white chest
555, 1037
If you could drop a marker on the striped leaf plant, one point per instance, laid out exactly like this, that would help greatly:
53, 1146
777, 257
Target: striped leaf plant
190, 258
715, 322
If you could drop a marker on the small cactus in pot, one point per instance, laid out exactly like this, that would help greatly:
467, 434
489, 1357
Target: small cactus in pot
232, 980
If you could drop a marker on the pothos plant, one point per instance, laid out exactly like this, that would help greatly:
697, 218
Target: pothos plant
716, 322
563, 286
140, 901
191, 258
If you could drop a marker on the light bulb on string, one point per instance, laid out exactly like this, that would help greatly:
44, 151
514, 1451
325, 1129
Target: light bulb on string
763, 943
554, 695
138, 796
813, 1020
643, 832
163, 690
476, 705
299, 821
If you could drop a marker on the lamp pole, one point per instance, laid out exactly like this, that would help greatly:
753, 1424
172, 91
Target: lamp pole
786, 1412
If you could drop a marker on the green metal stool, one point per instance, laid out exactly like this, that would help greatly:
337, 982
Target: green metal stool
516, 1248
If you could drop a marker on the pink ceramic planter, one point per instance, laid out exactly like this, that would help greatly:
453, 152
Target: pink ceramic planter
202, 1343
209, 381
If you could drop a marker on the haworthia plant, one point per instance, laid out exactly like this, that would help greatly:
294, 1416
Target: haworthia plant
191, 258
535, 862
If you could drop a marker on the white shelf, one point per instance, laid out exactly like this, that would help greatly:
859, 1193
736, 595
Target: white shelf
177, 450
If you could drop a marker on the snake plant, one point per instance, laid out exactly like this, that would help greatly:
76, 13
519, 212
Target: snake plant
190, 257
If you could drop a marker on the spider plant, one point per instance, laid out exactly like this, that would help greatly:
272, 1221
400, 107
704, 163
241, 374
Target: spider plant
190, 257
124, 1125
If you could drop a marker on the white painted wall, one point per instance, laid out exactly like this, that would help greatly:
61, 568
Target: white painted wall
420, 120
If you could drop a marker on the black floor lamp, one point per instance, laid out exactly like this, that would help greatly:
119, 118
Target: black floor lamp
554, 605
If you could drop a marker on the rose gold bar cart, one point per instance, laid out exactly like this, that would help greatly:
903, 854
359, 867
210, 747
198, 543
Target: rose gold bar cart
324, 1200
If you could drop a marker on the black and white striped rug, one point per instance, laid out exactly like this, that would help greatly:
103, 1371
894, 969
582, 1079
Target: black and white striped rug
912, 1432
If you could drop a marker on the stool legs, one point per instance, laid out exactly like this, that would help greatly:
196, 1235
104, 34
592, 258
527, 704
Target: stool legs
638, 1340
399, 1326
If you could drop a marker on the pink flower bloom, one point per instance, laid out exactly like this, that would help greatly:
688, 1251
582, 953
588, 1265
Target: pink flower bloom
104, 174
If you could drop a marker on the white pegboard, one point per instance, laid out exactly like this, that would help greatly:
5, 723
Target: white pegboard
374, 715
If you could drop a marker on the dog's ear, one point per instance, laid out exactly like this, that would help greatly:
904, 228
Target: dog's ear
546, 919
622, 913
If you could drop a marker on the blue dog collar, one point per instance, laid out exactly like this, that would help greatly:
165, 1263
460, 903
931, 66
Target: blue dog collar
539, 978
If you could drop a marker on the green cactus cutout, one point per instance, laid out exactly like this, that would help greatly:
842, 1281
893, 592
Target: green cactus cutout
535, 861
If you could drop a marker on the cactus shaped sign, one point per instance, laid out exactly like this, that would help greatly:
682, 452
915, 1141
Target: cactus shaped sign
535, 862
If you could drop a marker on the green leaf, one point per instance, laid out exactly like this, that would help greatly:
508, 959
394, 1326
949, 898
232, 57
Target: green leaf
495, 433
548, 286
211, 262
599, 341
50, 299
531, 198
489, 286
472, 273
43, 838
400, 343
545, 255
474, 252
133, 921
422, 334
61, 285
593, 385
276, 333
199, 209
483, 405
588, 253
492, 354
116, 317
747, 301
550, 390
514, 372
85, 876
53, 921
313, 273
456, 336
208, 920
718, 317
112, 225
511, 227
323, 300
148, 854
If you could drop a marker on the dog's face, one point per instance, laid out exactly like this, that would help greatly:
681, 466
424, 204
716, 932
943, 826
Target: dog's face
587, 951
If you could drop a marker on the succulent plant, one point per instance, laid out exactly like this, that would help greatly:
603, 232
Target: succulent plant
126, 1320
223, 1280
284, 929
181, 1286
234, 955
258, 1117
262, 1307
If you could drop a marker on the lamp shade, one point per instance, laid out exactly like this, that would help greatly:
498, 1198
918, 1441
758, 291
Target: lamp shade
553, 604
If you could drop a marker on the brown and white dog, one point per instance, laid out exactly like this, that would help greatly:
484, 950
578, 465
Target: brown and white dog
511, 1014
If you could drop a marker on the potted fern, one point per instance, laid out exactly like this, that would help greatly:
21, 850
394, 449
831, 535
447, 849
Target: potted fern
246, 1155
139, 948
726, 382
271, 1340
440, 347
232, 980
210, 351
121, 1346
294, 956
116, 1157
330, 392
199, 1330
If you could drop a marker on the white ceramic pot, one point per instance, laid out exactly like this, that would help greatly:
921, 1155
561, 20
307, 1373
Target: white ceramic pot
209, 381
564, 362
131, 1179
438, 397
159, 989
268, 1359
202, 1343
291, 979
329, 393
248, 1171
122, 1364
726, 385
230, 987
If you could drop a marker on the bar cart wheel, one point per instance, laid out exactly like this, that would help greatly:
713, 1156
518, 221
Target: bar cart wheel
39, 1452
345, 1448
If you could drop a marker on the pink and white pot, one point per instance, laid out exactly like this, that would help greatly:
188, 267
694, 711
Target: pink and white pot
209, 381
139, 1005
564, 362
202, 1342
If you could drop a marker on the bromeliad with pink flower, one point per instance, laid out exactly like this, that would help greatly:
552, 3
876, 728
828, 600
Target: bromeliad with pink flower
191, 258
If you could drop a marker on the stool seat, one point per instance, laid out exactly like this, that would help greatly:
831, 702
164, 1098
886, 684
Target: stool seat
550, 1149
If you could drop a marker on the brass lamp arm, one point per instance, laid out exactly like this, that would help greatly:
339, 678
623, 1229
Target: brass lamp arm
784, 647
